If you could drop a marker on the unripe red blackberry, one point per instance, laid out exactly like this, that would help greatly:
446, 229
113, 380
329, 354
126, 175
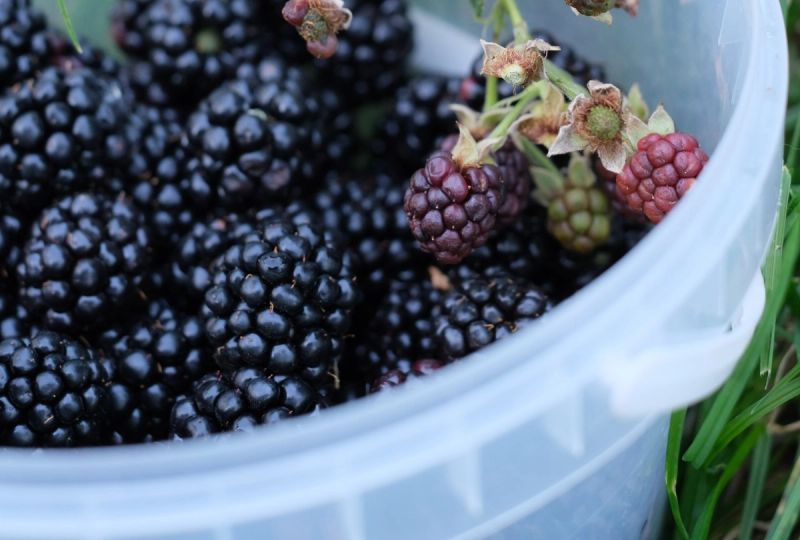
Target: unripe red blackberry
661, 172
452, 204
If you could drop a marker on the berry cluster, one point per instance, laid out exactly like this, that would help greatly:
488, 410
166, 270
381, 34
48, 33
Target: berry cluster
213, 234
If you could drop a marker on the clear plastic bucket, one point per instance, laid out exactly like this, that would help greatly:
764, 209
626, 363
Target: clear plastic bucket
557, 432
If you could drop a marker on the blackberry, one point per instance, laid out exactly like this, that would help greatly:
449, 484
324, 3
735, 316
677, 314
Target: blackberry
151, 362
189, 271
418, 117
524, 250
52, 392
10, 239
13, 318
84, 262
259, 140
241, 401
66, 57
451, 208
372, 56
369, 218
60, 132
400, 332
164, 181
515, 169
24, 47
183, 49
480, 311
582, 71
396, 377
281, 300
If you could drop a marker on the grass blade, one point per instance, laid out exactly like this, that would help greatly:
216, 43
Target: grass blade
705, 442
785, 519
73, 36
759, 467
676, 424
701, 531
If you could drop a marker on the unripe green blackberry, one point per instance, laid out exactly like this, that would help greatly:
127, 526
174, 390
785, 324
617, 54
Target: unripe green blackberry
578, 211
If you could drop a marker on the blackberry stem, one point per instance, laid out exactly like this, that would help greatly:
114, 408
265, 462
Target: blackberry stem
560, 78
536, 156
491, 93
525, 98
497, 19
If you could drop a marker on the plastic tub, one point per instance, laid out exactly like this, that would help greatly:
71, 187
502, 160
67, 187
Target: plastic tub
557, 432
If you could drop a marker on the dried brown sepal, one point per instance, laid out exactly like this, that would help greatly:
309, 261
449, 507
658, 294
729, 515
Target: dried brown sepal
470, 153
518, 65
318, 22
544, 120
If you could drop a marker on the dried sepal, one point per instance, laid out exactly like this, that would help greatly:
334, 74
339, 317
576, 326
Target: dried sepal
518, 65
598, 123
470, 153
659, 122
544, 119
318, 22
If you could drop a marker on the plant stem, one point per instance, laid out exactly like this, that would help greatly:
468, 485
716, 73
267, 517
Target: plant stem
73, 36
536, 156
563, 81
528, 95
521, 33
491, 93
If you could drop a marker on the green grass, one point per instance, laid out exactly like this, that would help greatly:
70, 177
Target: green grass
733, 462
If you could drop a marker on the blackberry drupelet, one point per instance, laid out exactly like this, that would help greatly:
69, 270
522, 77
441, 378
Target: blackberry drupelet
60, 132
24, 47
164, 181
282, 300
259, 141
418, 118
372, 56
13, 317
151, 362
183, 49
52, 392
452, 208
477, 312
84, 263
241, 401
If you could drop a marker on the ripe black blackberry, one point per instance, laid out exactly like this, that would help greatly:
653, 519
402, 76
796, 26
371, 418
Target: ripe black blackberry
582, 71
183, 49
151, 362
84, 263
258, 141
66, 57
397, 377
60, 132
372, 56
477, 312
282, 300
524, 250
241, 401
190, 267
10, 239
418, 118
163, 179
400, 331
368, 215
52, 392
14, 321
24, 47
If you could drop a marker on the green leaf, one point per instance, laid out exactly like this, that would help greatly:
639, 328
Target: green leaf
676, 424
62, 7
701, 531
785, 519
478, 6
759, 467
